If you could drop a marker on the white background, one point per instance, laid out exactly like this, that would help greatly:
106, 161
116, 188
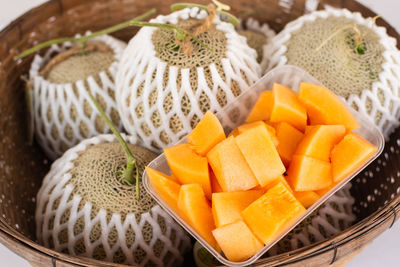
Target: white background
383, 252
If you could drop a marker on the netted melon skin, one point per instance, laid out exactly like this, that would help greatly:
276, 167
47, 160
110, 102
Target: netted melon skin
380, 102
333, 217
149, 239
63, 114
263, 35
158, 101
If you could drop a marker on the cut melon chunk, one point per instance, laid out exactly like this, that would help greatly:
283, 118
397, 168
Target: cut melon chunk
287, 108
237, 241
352, 152
207, 133
262, 108
324, 107
215, 187
227, 206
271, 130
288, 139
260, 153
194, 205
309, 174
188, 167
167, 189
272, 213
306, 198
319, 141
230, 167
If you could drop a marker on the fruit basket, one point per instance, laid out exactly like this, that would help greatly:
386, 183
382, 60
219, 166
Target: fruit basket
376, 189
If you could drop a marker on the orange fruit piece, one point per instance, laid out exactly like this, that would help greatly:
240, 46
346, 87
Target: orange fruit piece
237, 241
262, 108
288, 139
271, 130
188, 167
260, 153
230, 167
309, 174
349, 154
194, 205
272, 213
207, 133
319, 141
324, 107
166, 188
287, 108
227, 206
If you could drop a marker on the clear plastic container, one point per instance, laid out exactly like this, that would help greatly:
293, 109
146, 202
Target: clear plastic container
234, 115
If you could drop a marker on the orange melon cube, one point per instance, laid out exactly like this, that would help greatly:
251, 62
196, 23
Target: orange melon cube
287, 107
262, 108
197, 211
349, 154
271, 130
207, 133
319, 141
324, 107
288, 139
309, 174
188, 167
166, 188
227, 206
260, 153
306, 198
215, 187
230, 167
237, 241
272, 213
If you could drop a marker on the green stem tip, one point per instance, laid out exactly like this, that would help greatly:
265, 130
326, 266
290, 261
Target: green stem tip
131, 163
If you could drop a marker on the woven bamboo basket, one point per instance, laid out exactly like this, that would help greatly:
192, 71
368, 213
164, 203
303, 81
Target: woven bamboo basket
23, 166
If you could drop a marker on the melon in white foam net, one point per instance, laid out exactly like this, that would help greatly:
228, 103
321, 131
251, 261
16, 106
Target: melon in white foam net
84, 208
162, 92
362, 68
59, 81
257, 35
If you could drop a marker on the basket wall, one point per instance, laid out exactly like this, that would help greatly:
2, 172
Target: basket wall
22, 166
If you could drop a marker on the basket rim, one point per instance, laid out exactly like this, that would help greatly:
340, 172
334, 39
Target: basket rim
388, 213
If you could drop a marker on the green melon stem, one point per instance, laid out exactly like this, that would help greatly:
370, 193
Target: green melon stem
231, 18
82, 40
131, 162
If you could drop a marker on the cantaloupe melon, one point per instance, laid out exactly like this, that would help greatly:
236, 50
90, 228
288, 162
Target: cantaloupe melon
262, 108
319, 141
215, 187
261, 154
349, 154
197, 211
324, 107
237, 241
167, 189
227, 206
269, 215
306, 198
287, 107
269, 128
230, 167
188, 167
207, 133
309, 174
288, 139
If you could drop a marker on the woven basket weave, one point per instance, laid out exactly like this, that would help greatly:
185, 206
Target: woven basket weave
377, 189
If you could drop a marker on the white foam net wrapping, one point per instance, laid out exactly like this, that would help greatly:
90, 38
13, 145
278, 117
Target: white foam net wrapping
63, 113
333, 217
381, 102
161, 102
59, 213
